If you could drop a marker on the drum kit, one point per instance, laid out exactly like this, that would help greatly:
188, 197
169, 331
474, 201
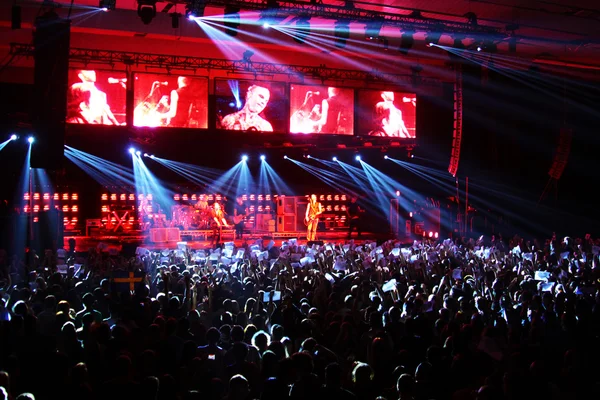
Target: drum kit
190, 217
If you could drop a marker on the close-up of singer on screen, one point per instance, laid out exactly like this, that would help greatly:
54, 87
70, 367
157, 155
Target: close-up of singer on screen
306, 118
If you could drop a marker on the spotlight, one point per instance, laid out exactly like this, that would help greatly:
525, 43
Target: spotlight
106, 5
137, 153
146, 10
434, 37
131, 150
357, 158
436, 235
342, 33
397, 193
479, 48
406, 42
30, 139
372, 29
302, 29
231, 20
152, 156
308, 156
145, 154
244, 158
13, 137
195, 8
247, 56
471, 18
334, 158
285, 157
175, 20
430, 234
385, 157
262, 158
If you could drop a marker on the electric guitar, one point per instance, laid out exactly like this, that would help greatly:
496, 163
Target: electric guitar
308, 220
240, 217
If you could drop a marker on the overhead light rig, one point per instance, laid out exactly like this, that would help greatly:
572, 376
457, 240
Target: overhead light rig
411, 21
172, 62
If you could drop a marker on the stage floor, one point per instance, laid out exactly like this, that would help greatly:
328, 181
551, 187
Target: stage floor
116, 241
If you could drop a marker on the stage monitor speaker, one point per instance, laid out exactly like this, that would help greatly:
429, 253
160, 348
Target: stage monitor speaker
286, 223
51, 41
311, 242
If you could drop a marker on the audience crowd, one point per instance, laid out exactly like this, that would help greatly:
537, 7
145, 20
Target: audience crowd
488, 318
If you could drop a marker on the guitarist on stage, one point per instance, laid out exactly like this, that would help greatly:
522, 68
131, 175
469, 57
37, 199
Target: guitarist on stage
311, 219
240, 212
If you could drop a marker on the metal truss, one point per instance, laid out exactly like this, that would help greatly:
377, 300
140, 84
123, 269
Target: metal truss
410, 22
172, 62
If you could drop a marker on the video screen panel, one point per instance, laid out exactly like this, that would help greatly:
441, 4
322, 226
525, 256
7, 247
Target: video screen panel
321, 110
387, 114
251, 106
170, 101
96, 97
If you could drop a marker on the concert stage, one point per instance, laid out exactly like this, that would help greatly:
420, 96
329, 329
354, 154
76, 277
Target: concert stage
202, 239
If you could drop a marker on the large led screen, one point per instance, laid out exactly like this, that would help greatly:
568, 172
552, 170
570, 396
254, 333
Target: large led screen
251, 106
96, 97
321, 109
170, 101
386, 114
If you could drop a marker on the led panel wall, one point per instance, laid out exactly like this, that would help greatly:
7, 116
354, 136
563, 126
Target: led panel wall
321, 110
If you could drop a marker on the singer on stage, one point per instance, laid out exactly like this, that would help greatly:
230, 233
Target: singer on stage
311, 218
219, 222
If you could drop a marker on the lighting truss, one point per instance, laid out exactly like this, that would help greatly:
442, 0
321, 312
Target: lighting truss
172, 62
412, 21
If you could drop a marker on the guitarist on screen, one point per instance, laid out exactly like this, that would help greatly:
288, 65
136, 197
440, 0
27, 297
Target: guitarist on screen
240, 212
311, 219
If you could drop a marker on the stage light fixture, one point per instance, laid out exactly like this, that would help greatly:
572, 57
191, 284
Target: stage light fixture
285, 157
342, 33
244, 158
262, 157
406, 42
146, 10
175, 20
13, 137
131, 150
107, 5
334, 159
357, 158
385, 157
247, 56
373, 28
152, 156
145, 154
302, 29
433, 38
308, 156
195, 9
30, 139
479, 48
137, 153
231, 20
